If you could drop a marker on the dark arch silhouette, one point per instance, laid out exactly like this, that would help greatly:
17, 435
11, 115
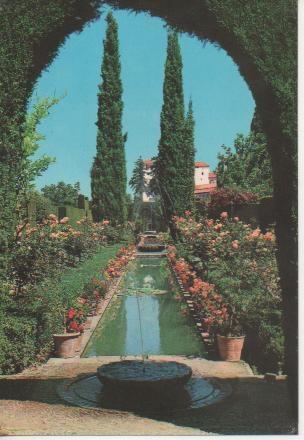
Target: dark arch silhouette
260, 36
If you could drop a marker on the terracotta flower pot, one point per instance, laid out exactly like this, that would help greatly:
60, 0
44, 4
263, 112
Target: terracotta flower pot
65, 344
79, 342
230, 347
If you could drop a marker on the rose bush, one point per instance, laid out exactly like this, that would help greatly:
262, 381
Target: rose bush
76, 312
208, 303
37, 297
53, 245
240, 262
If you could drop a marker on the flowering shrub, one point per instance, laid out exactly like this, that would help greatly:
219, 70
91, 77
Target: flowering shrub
76, 314
40, 291
95, 289
239, 263
75, 319
208, 303
52, 245
223, 198
116, 266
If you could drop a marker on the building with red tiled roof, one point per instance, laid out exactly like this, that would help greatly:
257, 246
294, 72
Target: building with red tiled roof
201, 164
205, 180
204, 189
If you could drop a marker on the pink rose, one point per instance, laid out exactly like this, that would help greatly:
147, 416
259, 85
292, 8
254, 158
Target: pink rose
268, 236
235, 244
255, 233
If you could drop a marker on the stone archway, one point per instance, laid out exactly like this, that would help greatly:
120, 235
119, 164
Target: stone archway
260, 36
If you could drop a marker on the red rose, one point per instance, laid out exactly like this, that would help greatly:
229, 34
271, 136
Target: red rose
74, 326
71, 313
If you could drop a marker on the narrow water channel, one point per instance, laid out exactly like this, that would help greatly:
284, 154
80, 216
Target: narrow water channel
144, 317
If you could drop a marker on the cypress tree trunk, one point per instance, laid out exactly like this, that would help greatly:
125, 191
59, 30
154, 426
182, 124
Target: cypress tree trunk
173, 155
108, 174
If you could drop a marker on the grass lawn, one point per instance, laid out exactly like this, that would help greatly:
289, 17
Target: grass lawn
74, 279
60, 292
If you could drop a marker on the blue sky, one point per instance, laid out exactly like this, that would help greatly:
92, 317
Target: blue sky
223, 104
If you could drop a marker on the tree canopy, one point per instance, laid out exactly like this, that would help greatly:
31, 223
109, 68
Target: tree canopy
137, 180
248, 167
62, 193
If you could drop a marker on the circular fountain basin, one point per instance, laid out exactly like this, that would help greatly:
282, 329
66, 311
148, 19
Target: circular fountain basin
163, 387
140, 376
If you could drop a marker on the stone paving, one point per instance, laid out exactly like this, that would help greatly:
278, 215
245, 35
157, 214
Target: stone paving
31, 406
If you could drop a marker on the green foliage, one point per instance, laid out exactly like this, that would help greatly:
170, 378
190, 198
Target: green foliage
17, 333
42, 206
188, 150
129, 207
62, 193
17, 343
174, 157
108, 174
147, 215
137, 179
31, 168
248, 168
31, 142
137, 183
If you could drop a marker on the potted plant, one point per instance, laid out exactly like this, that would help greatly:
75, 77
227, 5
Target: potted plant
66, 343
237, 303
230, 335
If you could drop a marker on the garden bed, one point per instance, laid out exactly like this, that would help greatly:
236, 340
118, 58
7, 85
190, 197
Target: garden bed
29, 329
229, 271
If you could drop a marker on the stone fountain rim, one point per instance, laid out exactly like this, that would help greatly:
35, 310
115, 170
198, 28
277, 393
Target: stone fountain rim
167, 379
66, 392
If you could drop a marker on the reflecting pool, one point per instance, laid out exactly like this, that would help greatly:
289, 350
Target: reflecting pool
145, 317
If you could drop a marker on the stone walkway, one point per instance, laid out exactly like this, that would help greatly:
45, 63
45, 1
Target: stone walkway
31, 406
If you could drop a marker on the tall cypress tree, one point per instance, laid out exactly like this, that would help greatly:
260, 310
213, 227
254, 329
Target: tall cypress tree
189, 159
170, 163
108, 174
